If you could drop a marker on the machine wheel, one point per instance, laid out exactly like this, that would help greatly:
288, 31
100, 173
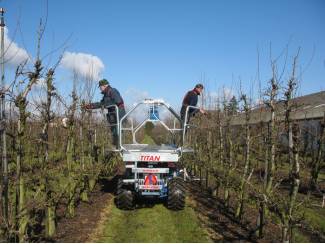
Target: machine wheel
124, 198
176, 194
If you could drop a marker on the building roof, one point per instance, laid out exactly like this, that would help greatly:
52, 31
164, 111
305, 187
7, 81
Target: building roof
306, 107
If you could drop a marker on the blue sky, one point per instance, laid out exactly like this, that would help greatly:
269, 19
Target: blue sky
162, 48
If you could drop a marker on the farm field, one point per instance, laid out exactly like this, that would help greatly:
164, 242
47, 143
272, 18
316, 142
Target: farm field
205, 219
162, 121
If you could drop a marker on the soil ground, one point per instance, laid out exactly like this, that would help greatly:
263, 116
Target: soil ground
84, 225
204, 219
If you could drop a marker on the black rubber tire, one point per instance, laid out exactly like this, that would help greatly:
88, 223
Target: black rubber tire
124, 198
176, 194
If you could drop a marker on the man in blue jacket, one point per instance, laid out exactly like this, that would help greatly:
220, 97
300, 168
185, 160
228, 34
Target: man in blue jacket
111, 96
191, 99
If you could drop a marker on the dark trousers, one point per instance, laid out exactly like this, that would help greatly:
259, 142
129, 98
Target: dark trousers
183, 113
112, 120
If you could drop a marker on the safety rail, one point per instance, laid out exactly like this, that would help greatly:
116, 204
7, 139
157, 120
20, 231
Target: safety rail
154, 102
121, 124
117, 119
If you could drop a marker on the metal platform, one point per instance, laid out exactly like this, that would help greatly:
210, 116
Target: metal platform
150, 153
150, 148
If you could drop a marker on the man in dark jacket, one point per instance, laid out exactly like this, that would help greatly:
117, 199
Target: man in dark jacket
111, 96
191, 99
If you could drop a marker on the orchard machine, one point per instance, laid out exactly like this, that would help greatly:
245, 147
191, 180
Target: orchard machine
152, 171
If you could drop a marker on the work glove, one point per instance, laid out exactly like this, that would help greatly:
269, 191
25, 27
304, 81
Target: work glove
202, 111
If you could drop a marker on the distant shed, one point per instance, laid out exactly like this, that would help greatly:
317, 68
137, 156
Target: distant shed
309, 107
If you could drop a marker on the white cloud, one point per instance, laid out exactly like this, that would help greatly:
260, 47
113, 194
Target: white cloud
134, 96
14, 55
87, 66
131, 98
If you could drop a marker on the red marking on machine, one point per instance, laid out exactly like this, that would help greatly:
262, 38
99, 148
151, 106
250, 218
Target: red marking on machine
150, 180
149, 187
150, 158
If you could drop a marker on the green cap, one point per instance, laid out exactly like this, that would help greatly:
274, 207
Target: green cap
103, 82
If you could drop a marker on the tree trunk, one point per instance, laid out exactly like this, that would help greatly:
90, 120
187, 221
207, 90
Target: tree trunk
71, 188
85, 184
316, 166
70, 156
22, 214
50, 226
295, 182
270, 160
50, 216
242, 190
